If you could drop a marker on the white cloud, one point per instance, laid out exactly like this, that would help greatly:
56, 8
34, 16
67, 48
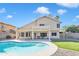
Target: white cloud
69, 5
61, 11
3, 10
77, 17
42, 10
9, 16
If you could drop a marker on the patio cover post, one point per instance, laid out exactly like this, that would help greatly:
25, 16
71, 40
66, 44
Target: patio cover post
49, 32
32, 34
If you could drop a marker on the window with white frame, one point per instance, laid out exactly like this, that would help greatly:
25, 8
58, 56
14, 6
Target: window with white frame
54, 34
27, 34
41, 24
58, 25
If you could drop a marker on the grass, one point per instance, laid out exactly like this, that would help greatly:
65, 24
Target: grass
71, 45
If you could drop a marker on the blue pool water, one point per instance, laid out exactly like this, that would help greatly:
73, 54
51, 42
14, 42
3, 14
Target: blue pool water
21, 48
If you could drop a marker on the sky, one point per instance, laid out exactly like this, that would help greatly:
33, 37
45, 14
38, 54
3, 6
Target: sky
19, 14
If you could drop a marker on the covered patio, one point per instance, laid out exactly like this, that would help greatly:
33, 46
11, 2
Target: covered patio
35, 34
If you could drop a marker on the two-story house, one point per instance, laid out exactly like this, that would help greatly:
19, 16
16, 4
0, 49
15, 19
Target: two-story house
7, 31
46, 27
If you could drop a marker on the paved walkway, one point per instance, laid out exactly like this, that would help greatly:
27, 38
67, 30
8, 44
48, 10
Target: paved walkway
65, 52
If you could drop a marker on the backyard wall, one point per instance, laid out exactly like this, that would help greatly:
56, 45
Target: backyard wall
3, 35
72, 35
69, 35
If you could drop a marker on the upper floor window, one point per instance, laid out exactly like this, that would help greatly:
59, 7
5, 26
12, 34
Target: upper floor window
1, 27
42, 24
12, 31
58, 25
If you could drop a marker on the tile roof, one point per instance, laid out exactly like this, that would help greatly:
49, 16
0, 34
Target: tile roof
6, 24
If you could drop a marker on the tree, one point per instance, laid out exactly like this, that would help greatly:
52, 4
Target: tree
57, 17
65, 28
71, 28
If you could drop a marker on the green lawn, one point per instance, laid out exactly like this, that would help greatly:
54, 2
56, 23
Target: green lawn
67, 45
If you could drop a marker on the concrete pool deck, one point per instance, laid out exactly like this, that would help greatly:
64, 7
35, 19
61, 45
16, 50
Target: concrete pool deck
46, 52
65, 52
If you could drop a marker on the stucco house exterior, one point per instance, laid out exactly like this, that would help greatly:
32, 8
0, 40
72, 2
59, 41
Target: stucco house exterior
45, 27
7, 31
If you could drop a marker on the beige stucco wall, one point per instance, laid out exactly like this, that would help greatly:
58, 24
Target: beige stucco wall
5, 30
34, 26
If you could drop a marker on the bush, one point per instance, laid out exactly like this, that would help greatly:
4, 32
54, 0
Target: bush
71, 28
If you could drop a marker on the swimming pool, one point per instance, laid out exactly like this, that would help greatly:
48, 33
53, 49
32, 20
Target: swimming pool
21, 48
